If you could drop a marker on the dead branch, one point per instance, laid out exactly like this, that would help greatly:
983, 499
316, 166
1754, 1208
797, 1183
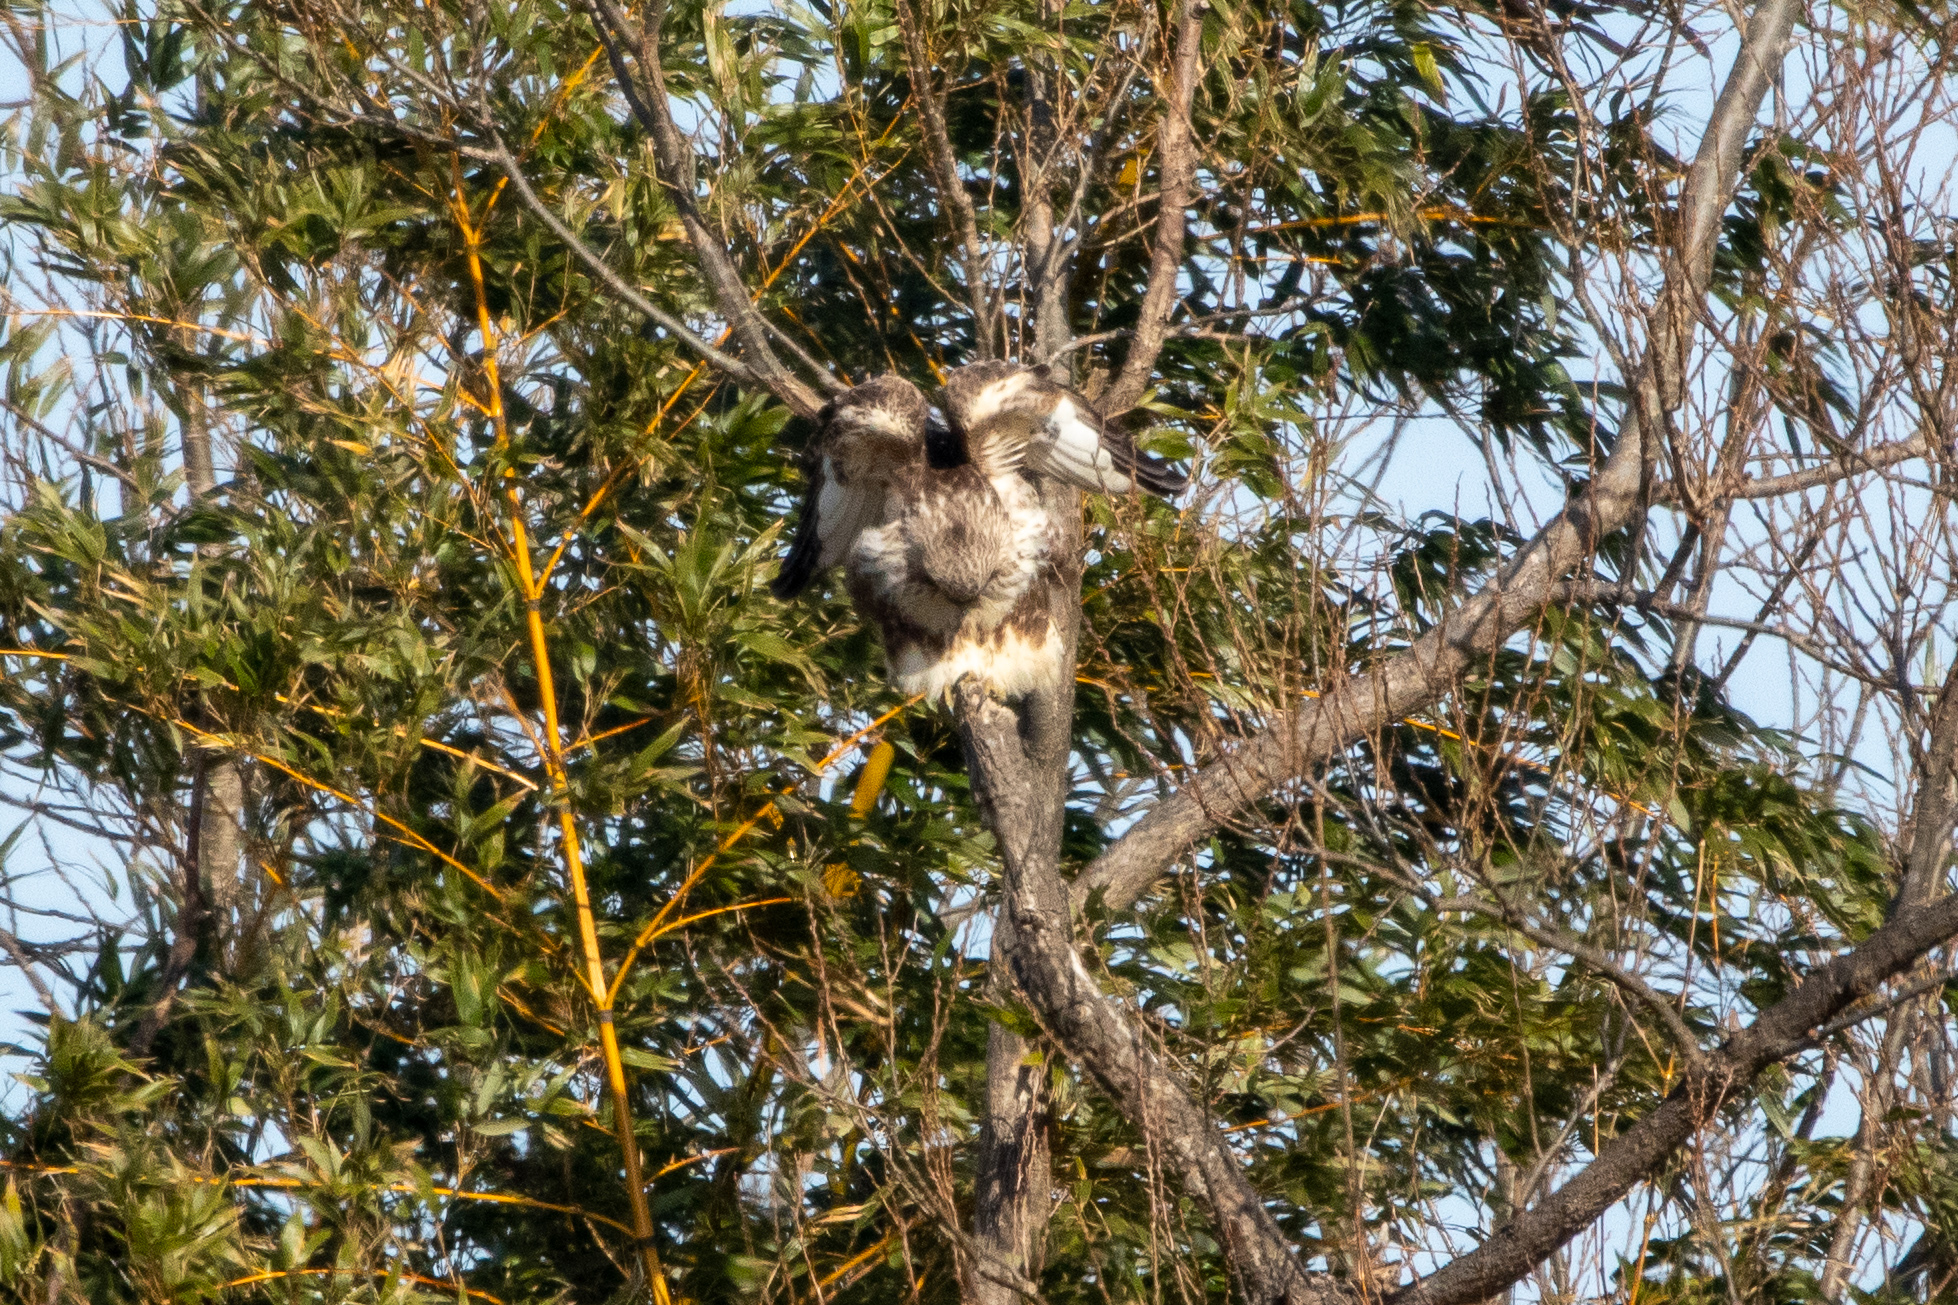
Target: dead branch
650, 105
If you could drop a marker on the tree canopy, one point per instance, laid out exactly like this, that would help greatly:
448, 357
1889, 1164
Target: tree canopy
497, 895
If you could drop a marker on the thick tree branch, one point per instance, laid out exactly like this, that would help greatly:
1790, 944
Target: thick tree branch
194, 925
1424, 673
650, 105
1642, 1150
1048, 252
1791, 1025
1097, 1035
1025, 805
1179, 173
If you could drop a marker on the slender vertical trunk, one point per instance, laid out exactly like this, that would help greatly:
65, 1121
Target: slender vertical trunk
194, 926
1011, 1205
220, 814
1014, 1200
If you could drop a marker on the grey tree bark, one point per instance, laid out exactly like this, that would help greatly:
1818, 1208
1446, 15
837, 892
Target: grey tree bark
1015, 1183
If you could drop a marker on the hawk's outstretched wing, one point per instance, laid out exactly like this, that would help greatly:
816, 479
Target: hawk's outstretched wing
1010, 416
864, 436
1085, 449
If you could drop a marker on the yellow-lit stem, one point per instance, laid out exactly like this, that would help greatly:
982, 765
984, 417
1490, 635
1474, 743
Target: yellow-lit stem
574, 865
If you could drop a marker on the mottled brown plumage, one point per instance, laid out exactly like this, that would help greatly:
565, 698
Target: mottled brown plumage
941, 560
863, 437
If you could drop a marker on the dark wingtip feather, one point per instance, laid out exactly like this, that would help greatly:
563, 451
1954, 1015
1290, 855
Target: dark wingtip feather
1150, 473
798, 569
804, 557
1164, 479
1161, 478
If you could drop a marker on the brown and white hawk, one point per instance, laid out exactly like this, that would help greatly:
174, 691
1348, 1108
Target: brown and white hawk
953, 563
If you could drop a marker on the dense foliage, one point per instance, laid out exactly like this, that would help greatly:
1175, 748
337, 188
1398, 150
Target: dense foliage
317, 434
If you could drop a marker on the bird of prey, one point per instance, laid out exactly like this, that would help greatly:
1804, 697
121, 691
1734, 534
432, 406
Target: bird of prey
863, 438
1011, 415
941, 559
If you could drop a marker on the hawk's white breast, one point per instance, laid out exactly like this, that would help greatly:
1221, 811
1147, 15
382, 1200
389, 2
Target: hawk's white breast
1009, 662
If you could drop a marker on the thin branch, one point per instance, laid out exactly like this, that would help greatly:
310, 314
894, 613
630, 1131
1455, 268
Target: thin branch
618, 285
930, 99
17, 952
1664, 1007
1842, 468
1587, 591
674, 155
1179, 173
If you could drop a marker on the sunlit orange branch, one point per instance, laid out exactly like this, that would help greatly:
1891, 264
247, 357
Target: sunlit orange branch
619, 472
403, 833
768, 809
574, 865
658, 925
651, 934
523, 1009
673, 1165
271, 1275
523, 721
883, 1243
558, 97
410, 1189
332, 713
1357, 219
145, 318
473, 758
591, 740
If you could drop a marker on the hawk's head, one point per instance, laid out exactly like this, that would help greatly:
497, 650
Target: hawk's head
886, 406
951, 558
967, 555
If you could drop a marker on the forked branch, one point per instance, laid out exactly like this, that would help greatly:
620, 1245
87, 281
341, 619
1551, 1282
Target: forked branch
1419, 677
